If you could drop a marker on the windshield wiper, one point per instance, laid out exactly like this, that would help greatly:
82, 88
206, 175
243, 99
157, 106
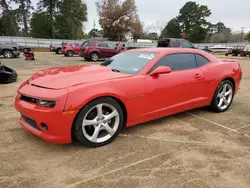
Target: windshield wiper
115, 70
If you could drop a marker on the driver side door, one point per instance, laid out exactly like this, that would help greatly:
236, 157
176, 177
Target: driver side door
180, 90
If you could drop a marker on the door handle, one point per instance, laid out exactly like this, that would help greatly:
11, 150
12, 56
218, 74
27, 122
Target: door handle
198, 76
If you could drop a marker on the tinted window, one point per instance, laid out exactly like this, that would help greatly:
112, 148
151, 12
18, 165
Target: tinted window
86, 43
178, 62
129, 62
201, 60
111, 46
176, 43
164, 43
186, 44
102, 45
76, 44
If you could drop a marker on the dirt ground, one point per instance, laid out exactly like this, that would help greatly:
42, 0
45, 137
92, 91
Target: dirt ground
193, 149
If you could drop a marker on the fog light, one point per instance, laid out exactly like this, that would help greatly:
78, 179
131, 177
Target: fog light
44, 126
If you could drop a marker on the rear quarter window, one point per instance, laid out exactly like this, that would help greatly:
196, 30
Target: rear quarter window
201, 60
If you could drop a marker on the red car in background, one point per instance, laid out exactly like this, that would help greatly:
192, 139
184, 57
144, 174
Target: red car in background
71, 48
95, 50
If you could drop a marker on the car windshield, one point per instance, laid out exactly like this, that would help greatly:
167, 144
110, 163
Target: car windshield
129, 62
86, 43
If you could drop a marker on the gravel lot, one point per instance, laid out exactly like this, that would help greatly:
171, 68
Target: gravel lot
193, 149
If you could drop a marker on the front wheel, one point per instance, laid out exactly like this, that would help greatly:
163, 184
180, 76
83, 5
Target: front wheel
99, 122
223, 96
8, 54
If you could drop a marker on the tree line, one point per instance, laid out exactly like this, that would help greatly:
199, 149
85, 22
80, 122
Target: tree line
119, 20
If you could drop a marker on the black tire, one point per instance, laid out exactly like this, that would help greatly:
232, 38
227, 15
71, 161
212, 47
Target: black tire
70, 53
77, 127
94, 56
87, 59
58, 51
214, 104
6, 54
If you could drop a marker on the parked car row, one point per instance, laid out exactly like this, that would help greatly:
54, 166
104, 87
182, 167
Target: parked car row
90, 50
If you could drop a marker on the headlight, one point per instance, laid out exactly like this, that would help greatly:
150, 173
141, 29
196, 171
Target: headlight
46, 103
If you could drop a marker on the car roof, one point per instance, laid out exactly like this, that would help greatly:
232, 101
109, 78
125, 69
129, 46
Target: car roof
166, 50
162, 39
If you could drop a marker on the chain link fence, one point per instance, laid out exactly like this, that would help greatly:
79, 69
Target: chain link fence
45, 43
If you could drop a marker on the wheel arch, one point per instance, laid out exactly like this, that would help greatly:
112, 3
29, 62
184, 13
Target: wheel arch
95, 51
70, 50
7, 49
223, 79
229, 79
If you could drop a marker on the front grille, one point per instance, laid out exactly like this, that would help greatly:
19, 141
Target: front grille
28, 99
31, 122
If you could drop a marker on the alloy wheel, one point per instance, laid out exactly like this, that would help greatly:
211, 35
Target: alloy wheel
100, 123
225, 96
8, 54
94, 57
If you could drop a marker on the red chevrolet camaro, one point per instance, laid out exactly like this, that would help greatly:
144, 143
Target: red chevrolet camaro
92, 103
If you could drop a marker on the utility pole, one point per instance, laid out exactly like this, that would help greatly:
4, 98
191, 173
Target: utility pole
94, 30
242, 33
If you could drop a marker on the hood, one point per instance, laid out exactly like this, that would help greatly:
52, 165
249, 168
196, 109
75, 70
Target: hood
63, 77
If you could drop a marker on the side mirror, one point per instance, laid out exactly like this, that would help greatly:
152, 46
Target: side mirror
160, 70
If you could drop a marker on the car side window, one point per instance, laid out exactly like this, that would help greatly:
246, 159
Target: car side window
176, 43
102, 45
177, 62
76, 44
110, 46
187, 44
71, 44
201, 60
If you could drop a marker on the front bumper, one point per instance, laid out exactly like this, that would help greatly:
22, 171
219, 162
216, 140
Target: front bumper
35, 118
16, 53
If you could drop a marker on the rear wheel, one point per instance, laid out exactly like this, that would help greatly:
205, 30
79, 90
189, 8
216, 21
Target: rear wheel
99, 122
94, 56
58, 51
8, 54
70, 53
223, 96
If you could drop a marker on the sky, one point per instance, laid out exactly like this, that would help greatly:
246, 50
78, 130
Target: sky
235, 14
